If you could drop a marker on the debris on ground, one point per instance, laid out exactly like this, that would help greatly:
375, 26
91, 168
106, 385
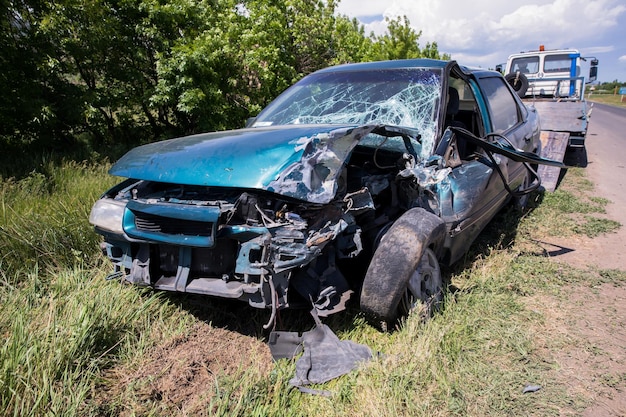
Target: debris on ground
324, 357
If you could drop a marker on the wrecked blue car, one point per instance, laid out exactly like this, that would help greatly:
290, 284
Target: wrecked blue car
358, 182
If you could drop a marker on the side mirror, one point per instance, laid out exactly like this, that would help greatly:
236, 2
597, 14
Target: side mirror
593, 70
500, 68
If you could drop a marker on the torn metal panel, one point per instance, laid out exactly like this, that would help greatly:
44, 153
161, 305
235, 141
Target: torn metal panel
426, 176
359, 201
313, 177
466, 185
291, 255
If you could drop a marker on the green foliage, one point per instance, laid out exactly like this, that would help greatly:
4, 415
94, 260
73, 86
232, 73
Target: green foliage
612, 86
38, 101
402, 43
107, 74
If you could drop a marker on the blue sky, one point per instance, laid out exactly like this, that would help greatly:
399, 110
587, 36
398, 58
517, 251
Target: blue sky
483, 33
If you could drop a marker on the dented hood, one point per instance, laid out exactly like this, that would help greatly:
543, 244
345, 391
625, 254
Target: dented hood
297, 161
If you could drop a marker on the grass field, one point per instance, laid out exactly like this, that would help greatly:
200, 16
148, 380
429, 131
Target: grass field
615, 100
73, 341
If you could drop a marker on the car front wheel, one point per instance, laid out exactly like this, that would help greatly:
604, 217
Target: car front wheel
404, 274
425, 288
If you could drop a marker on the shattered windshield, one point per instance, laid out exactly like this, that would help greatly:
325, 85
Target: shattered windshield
407, 97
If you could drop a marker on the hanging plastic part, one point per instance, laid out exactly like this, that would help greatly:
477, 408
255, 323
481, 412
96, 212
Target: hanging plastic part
272, 321
115, 275
326, 357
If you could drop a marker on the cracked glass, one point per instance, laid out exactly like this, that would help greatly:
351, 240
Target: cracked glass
407, 97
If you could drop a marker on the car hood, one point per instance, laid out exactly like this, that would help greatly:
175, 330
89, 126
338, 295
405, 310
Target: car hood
296, 161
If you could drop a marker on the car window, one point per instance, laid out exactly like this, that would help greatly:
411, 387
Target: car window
468, 115
526, 65
502, 105
406, 97
557, 63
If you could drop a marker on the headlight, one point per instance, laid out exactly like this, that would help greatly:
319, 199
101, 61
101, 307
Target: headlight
107, 214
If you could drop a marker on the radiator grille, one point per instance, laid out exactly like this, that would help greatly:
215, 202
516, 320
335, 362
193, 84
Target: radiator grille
166, 225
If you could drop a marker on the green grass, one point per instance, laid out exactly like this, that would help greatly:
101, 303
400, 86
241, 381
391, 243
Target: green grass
44, 218
614, 100
65, 327
570, 210
62, 333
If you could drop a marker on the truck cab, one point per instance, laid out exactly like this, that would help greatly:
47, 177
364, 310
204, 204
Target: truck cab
552, 73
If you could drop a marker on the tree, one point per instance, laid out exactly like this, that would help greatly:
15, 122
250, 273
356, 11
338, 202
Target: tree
38, 102
401, 42
119, 72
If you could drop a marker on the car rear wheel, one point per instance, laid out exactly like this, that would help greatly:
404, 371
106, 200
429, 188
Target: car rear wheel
521, 200
404, 273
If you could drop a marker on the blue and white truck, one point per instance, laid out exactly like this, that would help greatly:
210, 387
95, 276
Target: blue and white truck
552, 82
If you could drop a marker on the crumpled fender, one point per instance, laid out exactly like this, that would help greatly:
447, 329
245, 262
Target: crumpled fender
299, 161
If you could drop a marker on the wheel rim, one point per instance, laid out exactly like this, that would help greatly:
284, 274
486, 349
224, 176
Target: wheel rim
425, 287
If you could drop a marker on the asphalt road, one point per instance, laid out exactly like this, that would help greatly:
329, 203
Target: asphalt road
606, 154
617, 111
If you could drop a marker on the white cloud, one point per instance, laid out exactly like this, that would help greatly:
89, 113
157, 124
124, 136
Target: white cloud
557, 24
459, 24
356, 8
622, 58
483, 32
597, 50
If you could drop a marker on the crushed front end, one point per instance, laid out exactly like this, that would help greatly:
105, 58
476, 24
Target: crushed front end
274, 246
227, 243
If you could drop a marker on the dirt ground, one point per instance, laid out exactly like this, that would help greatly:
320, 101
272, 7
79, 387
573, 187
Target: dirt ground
182, 374
593, 364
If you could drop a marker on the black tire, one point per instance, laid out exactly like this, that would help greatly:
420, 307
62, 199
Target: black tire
406, 253
518, 81
520, 201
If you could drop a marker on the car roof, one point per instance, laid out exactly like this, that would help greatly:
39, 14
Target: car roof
400, 64
395, 64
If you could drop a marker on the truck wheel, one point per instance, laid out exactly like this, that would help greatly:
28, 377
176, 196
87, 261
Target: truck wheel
518, 81
404, 272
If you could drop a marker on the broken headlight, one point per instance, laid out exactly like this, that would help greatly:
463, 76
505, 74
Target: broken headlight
107, 214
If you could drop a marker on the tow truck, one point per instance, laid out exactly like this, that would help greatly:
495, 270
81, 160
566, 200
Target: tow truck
551, 82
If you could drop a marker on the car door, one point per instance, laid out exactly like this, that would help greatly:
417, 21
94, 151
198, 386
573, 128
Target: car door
477, 191
511, 123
